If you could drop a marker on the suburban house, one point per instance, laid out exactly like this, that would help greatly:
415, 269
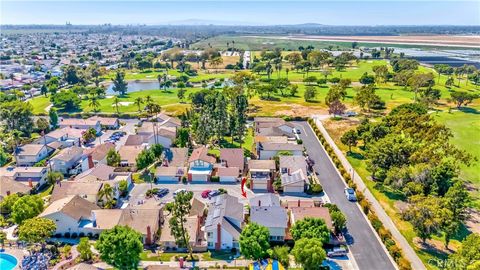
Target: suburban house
76, 217
201, 165
293, 173
106, 122
65, 136
10, 186
78, 123
232, 157
86, 190
194, 223
96, 155
227, 175
67, 159
224, 222
69, 213
300, 212
30, 154
106, 175
144, 218
174, 165
267, 199
28, 176
275, 218
261, 174
129, 154
163, 135
168, 121
267, 122
269, 150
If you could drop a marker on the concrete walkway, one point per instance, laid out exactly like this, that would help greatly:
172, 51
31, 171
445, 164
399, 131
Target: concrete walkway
410, 254
74, 255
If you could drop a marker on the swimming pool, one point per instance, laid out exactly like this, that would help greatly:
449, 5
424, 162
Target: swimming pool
7, 261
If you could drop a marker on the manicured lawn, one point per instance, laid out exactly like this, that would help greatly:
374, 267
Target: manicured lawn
228, 143
164, 257
465, 125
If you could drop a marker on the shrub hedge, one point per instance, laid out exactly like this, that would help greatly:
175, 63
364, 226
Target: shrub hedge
384, 234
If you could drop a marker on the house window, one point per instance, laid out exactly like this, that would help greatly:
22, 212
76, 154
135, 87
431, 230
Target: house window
209, 234
284, 170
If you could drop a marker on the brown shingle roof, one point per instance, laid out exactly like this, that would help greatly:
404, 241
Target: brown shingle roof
233, 157
73, 206
299, 213
100, 151
130, 152
201, 153
254, 164
67, 188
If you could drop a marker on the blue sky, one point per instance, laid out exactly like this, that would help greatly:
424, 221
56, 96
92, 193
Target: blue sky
242, 12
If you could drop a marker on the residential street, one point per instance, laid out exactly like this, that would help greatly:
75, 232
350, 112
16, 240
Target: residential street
364, 244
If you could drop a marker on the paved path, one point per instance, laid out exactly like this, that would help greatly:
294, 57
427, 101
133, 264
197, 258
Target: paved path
363, 242
74, 254
410, 254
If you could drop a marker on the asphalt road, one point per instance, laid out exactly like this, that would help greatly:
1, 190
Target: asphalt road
364, 245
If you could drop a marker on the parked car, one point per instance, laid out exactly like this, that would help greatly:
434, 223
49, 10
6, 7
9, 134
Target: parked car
119, 133
337, 252
213, 193
296, 131
162, 192
350, 194
178, 191
205, 193
350, 114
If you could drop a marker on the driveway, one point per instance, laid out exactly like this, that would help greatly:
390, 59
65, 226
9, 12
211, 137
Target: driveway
363, 243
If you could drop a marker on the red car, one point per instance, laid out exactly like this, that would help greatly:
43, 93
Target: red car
205, 193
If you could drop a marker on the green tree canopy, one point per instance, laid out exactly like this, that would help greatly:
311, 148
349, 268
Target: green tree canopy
36, 230
27, 207
310, 228
120, 247
85, 249
309, 253
254, 241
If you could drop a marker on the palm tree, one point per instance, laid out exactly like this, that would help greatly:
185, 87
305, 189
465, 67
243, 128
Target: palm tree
115, 102
94, 104
106, 192
148, 99
138, 101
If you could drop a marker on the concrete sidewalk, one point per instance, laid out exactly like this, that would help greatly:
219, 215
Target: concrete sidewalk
410, 254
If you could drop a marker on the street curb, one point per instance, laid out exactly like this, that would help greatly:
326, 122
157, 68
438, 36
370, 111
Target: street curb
358, 206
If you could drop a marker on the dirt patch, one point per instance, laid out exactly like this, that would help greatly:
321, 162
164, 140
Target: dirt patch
433, 245
336, 128
299, 110
473, 223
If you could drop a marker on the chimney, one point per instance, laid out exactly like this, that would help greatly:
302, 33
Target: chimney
90, 162
218, 245
30, 184
148, 241
289, 171
8, 192
298, 203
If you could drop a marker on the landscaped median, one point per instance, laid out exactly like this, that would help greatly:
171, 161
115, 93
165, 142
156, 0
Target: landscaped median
399, 252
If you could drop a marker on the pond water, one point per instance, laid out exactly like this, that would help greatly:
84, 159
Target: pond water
135, 86
7, 261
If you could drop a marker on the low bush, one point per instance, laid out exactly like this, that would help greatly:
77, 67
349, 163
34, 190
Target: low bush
215, 179
404, 264
365, 205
